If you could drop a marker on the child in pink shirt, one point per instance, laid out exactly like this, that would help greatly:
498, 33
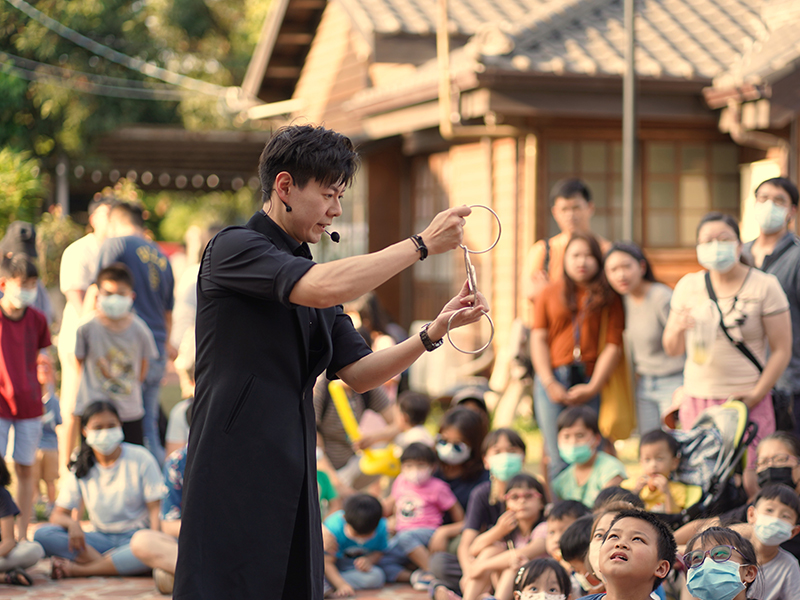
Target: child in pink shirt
418, 502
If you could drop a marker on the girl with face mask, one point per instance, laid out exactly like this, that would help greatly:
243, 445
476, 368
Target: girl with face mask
542, 579
570, 367
755, 312
721, 565
120, 485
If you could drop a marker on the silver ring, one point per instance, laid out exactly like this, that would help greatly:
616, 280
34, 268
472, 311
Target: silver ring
482, 348
499, 230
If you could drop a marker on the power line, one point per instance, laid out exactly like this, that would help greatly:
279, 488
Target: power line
90, 87
135, 64
64, 73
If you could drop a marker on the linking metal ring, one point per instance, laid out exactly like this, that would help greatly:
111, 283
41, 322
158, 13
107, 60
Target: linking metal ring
482, 348
499, 230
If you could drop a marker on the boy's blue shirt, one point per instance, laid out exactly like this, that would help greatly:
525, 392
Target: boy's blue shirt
50, 420
349, 548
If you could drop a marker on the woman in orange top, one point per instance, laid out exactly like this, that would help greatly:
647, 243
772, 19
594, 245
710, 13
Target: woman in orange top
570, 368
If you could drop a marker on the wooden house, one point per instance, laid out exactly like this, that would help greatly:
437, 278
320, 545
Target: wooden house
536, 95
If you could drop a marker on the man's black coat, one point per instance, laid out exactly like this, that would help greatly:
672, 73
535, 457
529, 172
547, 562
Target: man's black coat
251, 520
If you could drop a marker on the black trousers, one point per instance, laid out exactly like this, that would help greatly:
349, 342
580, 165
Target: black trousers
134, 432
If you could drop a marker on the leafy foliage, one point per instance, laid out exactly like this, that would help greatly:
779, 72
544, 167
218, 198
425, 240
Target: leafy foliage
54, 232
22, 187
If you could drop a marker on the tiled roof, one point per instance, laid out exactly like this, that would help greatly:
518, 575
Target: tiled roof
768, 60
418, 17
688, 39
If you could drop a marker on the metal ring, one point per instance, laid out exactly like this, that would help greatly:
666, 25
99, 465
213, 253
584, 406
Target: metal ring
499, 230
479, 350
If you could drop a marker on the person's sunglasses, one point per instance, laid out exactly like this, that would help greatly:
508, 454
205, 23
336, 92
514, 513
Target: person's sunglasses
718, 554
459, 447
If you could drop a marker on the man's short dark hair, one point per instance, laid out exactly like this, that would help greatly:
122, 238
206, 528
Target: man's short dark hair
98, 201
574, 414
307, 152
18, 266
117, 272
615, 494
785, 184
575, 540
659, 435
129, 212
419, 452
567, 508
569, 188
363, 513
783, 494
667, 549
414, 406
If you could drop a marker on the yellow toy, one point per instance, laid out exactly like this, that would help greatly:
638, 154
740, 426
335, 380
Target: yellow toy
374, 461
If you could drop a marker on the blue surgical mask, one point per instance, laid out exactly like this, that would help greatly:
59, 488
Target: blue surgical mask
772, 531
715, 581
20, 297
769, 216
578, 453
718, 255
115, 306
504, 466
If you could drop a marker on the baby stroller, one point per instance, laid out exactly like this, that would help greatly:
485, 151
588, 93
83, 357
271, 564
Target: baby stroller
712, 452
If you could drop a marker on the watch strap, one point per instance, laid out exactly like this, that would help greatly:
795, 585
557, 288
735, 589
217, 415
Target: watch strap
429, 344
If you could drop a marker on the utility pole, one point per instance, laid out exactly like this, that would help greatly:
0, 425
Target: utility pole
628, 122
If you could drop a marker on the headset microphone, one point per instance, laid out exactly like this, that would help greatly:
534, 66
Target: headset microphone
334, 236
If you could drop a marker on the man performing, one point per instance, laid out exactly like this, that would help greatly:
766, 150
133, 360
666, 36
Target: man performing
268, 323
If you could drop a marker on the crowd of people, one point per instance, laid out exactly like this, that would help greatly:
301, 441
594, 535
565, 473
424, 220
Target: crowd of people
453, 508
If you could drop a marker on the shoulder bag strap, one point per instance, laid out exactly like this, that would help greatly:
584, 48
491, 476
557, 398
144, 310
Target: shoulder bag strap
774, 257
740, 346
547, 256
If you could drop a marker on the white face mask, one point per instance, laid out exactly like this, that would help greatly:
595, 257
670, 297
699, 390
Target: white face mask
531, 595
594, 558
105, 441
416, 476
21, 297
769, 216
772, 531
718, 255
115, 306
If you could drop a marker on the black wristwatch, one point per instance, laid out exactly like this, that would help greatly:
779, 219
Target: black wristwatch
421, 247
429, 344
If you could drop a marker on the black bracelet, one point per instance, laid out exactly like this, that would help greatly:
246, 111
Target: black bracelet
429, 344
423, 249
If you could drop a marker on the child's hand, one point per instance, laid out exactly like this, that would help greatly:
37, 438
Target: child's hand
507, 522
344, 591
660, 482
640, 483
76, 540
362, 563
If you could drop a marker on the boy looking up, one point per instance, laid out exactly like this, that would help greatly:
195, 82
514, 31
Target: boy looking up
658, 457
23, 332
113, 350
635, 557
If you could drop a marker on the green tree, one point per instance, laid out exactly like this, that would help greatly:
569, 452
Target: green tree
22, 187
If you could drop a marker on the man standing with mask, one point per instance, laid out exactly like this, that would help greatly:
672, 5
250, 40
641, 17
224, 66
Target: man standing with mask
776, 250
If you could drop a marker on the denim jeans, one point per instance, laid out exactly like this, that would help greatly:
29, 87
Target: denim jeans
395, 558
55, 541
547, 414
151, 387
653, 398
360, 580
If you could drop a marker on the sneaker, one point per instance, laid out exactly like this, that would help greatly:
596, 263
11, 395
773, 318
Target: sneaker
421, 580
164, 581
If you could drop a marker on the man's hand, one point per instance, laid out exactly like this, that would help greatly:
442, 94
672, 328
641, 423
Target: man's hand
464, 299
446, 230
556, 392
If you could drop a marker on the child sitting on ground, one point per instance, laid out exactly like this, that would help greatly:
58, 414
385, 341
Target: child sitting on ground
636, 555
658, 457
560, 516
518, 536
354, 540
47, 454
542, 579
15, 556
590, 469
410, 412
721, 564
773, 519
574, 546
418, 500
113, 350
